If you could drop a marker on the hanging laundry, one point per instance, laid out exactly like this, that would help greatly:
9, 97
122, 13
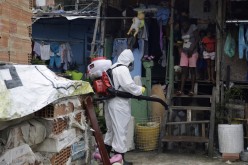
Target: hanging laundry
229, 47
50, 2
45, 52
55, 48
243, 41
37, 48
163, 15
55, 58
66, 55
40, 2
242, 45
45, 2
55, 63
69, 52
163, 60
119, 45
62, 51
154, 49
246, 38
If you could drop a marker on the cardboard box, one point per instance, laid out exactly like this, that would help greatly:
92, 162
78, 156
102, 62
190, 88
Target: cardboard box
78, 150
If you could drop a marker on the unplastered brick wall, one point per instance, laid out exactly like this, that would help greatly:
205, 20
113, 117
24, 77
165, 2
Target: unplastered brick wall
15, 22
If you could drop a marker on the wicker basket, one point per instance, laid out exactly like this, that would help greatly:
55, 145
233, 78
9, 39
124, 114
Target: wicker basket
147, 134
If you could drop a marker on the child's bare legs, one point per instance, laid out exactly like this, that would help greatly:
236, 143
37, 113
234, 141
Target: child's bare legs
209, 69
193, 78
183, 78
212, 71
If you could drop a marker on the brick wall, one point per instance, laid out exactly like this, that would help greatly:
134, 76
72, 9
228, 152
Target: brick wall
15, 22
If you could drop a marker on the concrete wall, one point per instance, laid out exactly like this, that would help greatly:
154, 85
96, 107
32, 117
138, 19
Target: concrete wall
76, 32
15, 20
196, 9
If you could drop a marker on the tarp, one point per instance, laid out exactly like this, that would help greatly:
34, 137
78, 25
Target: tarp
25, 89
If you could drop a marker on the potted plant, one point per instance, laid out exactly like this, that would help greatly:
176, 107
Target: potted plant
227, 130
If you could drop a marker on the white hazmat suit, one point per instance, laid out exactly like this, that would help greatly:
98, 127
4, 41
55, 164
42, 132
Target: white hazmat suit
118, 110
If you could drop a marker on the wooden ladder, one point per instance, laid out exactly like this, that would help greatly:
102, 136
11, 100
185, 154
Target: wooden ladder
206, 136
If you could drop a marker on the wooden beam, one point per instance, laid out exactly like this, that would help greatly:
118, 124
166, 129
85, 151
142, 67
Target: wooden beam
88, 102
212, 126
219, 21
203, 130
171, 57
185, 139
188, 122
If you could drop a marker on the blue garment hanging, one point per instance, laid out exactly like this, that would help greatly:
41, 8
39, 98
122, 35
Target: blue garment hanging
55, 47
246, 38
163, 15
242, 45
243, 41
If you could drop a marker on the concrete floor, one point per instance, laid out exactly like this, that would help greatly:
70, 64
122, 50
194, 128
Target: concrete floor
169, 158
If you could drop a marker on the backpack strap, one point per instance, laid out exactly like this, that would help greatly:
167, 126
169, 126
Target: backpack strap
118, 66
110, 74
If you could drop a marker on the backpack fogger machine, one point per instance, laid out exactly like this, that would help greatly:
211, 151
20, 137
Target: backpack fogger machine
101, 74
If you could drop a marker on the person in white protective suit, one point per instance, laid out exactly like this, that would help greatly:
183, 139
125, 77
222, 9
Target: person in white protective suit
117, 109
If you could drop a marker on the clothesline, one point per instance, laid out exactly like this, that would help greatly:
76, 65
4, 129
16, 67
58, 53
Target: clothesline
57, 40
122, 17
236, 21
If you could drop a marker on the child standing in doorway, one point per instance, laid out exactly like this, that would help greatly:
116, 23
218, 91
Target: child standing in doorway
209, 53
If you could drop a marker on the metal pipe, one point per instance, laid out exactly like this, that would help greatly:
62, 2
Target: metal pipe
115, 93
93, 43
219, 49
103, 28
84, 17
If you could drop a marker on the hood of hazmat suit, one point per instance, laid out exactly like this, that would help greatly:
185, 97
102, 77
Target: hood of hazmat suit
126, 57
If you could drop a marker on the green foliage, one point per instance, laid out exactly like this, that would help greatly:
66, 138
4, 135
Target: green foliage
37, 62
101, 120
221, 114
234, 93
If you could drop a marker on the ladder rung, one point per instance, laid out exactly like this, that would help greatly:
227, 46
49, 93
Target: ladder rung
188, 122
185, 139
191, 108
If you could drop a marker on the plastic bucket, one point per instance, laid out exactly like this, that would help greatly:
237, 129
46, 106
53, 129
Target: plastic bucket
76, 75
231, 138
